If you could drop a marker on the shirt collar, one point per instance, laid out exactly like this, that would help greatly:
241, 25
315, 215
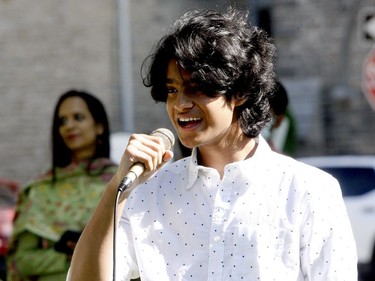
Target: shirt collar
193, 168
259, 156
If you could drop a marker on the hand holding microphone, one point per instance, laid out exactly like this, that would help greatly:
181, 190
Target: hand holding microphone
138, 168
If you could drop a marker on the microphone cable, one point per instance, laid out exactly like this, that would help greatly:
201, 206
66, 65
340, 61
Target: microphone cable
120, 189
114, 234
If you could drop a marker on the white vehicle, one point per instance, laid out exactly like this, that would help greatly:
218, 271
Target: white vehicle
356, 175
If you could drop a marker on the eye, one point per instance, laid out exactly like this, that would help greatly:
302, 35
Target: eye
79, 117
62, 121
171, 90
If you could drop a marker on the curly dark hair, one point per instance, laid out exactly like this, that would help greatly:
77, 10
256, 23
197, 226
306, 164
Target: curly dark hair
225, 55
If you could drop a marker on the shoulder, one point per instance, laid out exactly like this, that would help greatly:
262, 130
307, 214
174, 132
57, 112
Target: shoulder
313, 176
103, 168
300, 169
307, 178
314, 192
41, 178
321, 189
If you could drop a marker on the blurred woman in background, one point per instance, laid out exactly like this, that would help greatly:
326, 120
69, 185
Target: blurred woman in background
53, 209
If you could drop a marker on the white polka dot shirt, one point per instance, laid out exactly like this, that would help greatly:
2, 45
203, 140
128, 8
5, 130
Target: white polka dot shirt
269, 218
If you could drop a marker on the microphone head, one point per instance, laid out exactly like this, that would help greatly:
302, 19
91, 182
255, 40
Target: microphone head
167, 137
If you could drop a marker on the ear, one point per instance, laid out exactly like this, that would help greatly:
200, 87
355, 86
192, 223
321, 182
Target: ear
239, 101
279, 119
99, 129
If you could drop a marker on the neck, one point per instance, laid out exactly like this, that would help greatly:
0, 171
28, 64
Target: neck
79, 157
219, 156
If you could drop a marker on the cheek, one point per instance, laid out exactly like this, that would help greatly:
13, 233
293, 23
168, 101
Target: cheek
169, 109
61, 131
221, 116
91, 131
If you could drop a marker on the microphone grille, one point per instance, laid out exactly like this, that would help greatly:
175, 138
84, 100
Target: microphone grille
167, 137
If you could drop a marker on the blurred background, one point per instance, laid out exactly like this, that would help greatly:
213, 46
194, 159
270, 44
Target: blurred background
326, 63
50, 46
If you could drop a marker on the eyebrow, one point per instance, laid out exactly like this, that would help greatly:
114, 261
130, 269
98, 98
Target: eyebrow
170, 81
72, 113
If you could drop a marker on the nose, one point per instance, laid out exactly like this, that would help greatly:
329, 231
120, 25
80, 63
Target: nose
183, 102
68, 124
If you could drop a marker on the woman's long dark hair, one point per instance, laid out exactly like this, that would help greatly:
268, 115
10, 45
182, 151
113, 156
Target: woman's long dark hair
61, 154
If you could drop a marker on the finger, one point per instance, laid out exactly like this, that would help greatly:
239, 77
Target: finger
168, 155
147, 150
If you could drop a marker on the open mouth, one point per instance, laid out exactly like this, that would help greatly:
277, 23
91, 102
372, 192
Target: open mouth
71, 137
189, 122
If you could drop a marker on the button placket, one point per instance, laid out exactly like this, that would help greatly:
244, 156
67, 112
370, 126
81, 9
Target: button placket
218, 229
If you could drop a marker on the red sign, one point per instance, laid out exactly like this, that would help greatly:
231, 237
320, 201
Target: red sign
368, 83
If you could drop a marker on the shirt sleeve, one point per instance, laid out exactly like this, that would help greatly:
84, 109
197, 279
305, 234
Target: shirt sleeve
328, 250
30, 259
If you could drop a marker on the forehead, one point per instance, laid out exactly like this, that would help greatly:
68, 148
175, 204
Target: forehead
176, 73
73, 105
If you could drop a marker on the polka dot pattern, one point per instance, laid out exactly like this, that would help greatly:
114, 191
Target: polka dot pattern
269, 218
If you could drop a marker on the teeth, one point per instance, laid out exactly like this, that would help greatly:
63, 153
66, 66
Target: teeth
189, 119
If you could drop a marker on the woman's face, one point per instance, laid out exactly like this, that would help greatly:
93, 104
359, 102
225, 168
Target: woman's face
198, 119
78, 128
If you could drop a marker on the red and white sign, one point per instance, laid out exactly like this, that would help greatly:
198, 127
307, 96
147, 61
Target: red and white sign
368, 79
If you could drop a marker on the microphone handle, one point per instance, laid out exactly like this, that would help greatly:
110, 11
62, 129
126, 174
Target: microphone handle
138, 168
135, 171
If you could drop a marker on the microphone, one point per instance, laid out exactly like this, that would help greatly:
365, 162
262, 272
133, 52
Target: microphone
138, 168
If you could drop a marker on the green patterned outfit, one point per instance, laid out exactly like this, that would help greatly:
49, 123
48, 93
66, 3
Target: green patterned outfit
45, 210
